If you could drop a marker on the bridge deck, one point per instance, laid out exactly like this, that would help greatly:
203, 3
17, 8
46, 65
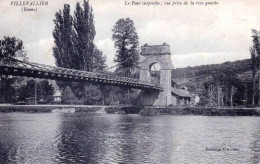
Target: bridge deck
21, 68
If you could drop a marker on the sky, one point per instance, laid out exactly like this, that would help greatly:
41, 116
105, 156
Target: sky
197, 34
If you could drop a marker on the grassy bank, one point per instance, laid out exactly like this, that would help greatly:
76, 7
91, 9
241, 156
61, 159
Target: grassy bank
50, 108
146, 110
201, 111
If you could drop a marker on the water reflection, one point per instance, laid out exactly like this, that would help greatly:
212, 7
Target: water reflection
82, 138
255, 145
28, 138
5, 152
101, 138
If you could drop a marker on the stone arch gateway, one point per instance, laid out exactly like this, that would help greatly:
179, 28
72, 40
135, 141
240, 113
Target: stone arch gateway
160, 54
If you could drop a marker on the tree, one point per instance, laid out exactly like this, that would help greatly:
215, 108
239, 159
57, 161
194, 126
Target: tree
68, 97
254, 67
256, 41
93, 94
233, 91
126, 43
127, 55
99, 63
45, 92
210, 90
223, 83
26, 91
63, 49
10, 47
74, 46
99, 60
89, 57
83, 23
255, 59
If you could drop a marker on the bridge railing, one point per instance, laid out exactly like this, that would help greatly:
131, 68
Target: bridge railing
30, 66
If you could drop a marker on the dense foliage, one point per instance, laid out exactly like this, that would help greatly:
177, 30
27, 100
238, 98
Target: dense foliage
84, 32
127, 57
43, 90
237, 67
10, 47
74, 48
224, 84
255, 59
126, 43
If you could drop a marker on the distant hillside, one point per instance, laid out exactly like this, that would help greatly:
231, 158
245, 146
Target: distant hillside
183, 74
195, 77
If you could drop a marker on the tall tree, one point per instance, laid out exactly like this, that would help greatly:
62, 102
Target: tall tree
89, 57
223, 83
74, 47
10, 47
255, 58
126, 43
210, 90
127, 55
85, 33
254, 67
233, 91
63, 49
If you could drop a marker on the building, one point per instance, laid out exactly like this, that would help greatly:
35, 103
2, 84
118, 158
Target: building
180, 96
30, 101
57, 93
57, 97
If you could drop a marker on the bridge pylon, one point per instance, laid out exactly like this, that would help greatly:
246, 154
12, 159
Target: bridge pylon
159, 55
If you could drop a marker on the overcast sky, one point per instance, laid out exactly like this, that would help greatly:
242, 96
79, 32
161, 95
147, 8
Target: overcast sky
197, 34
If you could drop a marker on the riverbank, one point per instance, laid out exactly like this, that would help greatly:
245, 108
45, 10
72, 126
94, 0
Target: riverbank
62, 108
204, 111
128, 109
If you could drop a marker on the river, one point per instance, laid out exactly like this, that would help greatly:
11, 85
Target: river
120, 138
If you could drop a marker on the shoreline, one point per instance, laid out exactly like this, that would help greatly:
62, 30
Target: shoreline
203, 111
129, 109
50, 108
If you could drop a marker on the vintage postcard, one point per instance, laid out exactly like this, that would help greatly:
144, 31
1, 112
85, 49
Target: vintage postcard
129, 81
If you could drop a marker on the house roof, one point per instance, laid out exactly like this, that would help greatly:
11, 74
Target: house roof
57, 93
180, 92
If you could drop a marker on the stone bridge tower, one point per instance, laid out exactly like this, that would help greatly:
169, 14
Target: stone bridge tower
160, 55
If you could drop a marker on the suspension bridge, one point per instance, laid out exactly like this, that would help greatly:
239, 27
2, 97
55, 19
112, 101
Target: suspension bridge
152, 93
14, 67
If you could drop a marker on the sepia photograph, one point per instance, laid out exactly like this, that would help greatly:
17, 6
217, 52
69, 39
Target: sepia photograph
129, 81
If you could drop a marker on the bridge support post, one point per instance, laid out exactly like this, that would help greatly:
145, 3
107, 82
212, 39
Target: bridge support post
165, 97
156, 54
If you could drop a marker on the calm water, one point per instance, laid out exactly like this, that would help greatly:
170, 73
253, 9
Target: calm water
102, 138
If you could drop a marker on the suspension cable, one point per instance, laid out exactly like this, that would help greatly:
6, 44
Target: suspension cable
124, 62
